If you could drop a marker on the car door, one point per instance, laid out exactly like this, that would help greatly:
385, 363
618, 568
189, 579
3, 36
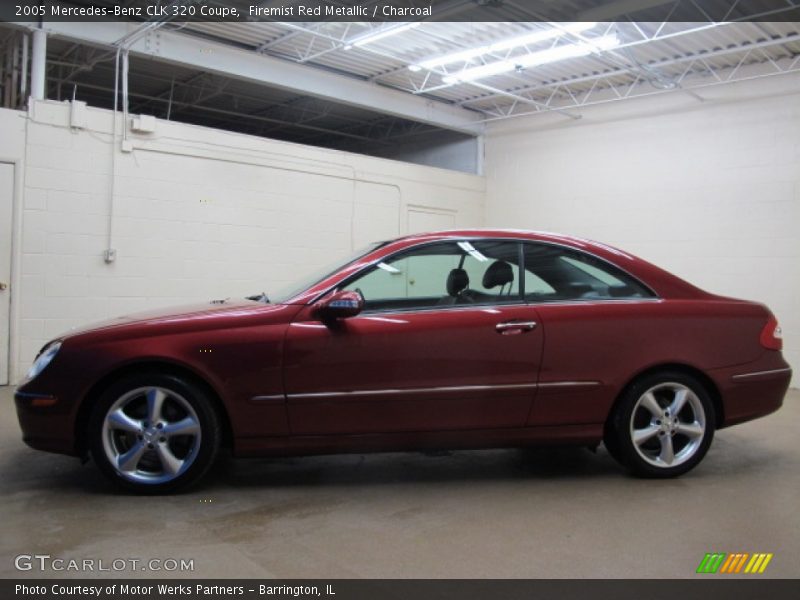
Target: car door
594, 316
445, 342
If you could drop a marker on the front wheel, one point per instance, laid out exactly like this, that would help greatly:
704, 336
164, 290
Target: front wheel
154, 433
662, 426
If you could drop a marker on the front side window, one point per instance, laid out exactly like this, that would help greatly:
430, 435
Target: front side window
554, 273
443, 274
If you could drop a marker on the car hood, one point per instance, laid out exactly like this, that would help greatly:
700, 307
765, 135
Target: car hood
183, 313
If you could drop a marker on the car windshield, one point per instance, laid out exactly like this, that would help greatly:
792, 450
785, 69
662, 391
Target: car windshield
294, 288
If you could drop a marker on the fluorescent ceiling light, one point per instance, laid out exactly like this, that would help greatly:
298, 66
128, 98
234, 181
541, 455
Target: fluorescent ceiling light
611, 11
469, 248
535, 59
515, 42
388, 268
381, 33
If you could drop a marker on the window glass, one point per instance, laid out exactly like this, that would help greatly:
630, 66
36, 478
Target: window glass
556, 273
287, 292
443, 274
536, 285
592, 270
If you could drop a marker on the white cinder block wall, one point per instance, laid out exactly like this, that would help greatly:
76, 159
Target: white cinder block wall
198, 214
709, 190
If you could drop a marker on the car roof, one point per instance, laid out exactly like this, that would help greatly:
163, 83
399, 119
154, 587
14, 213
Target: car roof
487, 232
587, 245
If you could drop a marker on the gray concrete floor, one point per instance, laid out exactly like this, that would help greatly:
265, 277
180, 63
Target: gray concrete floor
497, 513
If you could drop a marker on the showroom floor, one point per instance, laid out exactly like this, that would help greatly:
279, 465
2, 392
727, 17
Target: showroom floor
497, 513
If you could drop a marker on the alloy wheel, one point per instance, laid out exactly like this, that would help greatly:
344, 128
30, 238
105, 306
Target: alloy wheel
151, 435
667, 425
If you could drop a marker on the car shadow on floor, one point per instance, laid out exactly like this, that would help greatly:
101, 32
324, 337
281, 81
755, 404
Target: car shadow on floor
731, 453
26, 470
416, 467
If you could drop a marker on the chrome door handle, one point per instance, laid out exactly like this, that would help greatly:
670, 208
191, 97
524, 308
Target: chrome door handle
3, 285
520, 326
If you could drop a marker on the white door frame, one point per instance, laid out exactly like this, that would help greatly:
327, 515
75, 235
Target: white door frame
16, 260
431, 210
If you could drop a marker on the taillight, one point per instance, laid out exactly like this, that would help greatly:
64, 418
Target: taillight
771, 337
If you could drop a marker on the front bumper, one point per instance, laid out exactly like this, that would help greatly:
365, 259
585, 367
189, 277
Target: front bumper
44, 422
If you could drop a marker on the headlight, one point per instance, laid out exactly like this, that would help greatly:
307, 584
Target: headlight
44, 359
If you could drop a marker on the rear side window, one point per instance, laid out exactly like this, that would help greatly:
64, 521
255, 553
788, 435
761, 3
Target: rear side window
554, 273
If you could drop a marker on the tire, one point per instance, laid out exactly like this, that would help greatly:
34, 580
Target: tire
662, 426
154, 433
611, 443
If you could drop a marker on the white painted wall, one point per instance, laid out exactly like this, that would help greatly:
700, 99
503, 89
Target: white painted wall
708, 190
12, 149
198, 214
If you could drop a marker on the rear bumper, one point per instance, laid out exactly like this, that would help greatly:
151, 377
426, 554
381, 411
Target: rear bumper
44, 424
752, 391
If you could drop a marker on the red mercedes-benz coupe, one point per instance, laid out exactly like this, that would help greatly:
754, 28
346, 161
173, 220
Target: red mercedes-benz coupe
458, 339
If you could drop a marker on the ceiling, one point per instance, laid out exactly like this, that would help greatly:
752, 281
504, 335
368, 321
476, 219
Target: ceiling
652, 57
720, 42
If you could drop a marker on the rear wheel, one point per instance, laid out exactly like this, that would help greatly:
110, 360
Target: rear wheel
662, 426
154, 433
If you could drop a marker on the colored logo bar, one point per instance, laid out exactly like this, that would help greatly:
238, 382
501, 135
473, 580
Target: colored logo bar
735, 562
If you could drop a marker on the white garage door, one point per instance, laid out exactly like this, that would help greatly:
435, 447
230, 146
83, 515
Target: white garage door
6, 197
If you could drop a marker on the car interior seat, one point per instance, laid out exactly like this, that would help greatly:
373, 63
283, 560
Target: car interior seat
500, 274
457, 282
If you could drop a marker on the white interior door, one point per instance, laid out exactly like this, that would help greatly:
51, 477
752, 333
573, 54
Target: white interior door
422, 219
6, 201
424, 277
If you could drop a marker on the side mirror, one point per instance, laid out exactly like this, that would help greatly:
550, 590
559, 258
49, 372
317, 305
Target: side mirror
340, 305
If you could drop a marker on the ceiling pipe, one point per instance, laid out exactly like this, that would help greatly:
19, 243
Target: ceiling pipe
123, 46
23, 84
38, 64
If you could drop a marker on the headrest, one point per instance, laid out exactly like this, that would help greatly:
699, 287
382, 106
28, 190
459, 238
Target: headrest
457, 282
498, 273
